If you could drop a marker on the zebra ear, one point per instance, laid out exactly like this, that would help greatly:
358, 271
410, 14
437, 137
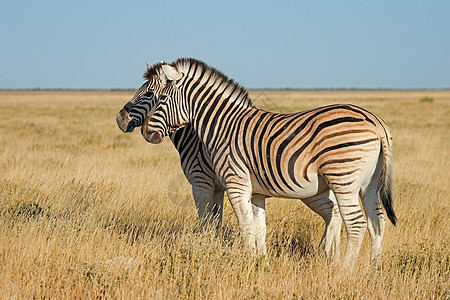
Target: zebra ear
171, 73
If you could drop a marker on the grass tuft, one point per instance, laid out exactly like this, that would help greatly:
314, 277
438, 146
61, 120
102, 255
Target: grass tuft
426, 99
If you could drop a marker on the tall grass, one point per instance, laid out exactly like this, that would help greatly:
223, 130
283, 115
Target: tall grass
89, 212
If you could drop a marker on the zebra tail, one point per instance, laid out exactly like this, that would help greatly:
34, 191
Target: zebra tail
386, 180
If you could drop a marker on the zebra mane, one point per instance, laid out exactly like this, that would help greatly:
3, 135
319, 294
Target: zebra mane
153, 71
209, 76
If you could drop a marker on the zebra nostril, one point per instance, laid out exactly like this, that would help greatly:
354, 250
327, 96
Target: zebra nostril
131, 125
130, 128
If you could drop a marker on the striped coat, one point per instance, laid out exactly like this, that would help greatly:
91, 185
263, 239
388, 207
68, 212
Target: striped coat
342, 148
207, 191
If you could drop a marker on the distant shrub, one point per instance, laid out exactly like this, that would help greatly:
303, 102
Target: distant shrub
426, 99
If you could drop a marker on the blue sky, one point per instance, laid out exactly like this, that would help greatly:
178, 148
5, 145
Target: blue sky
91, 44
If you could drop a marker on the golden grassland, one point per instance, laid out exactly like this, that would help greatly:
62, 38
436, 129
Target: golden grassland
89, 212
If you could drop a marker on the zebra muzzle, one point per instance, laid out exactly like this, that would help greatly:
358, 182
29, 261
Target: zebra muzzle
131, 125
152, 137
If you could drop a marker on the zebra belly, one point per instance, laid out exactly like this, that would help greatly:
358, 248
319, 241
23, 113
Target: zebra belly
315, 186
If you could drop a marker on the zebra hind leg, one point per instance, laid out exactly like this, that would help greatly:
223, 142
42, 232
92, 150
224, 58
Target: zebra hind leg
375, 218
333, 239
325, 205
355, 224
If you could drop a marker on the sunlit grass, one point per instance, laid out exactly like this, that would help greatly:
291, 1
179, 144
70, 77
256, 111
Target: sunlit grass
89, 212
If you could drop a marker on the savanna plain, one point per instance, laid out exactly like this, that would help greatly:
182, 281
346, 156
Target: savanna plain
89, 212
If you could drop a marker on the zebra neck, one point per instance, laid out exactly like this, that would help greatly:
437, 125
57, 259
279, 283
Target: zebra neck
214, 122
184, 138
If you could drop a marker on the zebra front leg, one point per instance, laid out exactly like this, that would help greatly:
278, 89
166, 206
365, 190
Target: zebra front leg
215, 207
240, 197
325, 205
259, 217
202, 197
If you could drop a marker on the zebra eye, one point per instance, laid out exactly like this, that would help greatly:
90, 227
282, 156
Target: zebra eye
149, 94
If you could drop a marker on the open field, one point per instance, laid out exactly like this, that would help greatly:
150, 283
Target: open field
89, 212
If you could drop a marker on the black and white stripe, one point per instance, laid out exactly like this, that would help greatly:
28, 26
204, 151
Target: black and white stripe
207, 191
342, 148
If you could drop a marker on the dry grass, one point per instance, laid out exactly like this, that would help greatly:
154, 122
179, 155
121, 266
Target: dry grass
89, 212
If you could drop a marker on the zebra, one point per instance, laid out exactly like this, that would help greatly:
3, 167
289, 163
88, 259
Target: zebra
207, 191
340, 147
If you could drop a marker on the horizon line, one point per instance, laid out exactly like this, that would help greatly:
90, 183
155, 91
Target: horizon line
250, 89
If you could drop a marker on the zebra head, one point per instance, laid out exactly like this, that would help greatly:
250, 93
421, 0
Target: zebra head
144, 100
171, 112
133, 113
161, 122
